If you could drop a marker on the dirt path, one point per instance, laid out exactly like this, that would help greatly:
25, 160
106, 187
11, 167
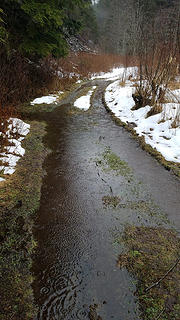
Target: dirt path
98, 181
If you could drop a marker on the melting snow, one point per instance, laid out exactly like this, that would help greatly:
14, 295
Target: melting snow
156, 129
84, 102
14, 151
116, 73
47, 99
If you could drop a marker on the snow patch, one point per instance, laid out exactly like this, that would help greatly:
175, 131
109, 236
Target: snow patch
16, 132
157, 129
47, 99
116, 73
84, 102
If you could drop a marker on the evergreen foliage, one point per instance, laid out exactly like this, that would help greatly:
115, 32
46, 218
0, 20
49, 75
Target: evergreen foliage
40, 27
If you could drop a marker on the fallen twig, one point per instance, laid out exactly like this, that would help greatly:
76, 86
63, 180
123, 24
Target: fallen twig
165, 275
160, 314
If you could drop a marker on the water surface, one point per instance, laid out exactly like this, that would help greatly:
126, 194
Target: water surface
78, 233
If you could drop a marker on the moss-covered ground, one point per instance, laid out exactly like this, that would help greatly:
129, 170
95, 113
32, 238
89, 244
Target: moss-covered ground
153, 259
19, 200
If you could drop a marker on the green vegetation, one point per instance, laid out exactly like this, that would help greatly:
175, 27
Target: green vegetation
35, 37
111, 201
20, 197
40, 28
112, 162
152, 257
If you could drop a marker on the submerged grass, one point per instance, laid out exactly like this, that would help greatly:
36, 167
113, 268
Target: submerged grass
111, 201
112, 162
20, 197
152, 252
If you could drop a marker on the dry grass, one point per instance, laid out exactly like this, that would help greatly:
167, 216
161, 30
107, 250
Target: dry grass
176, 121
157, 108
174, 85
173, 98
86, 64
22, 79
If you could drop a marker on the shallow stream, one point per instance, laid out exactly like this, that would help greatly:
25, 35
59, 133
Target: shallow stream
97, 181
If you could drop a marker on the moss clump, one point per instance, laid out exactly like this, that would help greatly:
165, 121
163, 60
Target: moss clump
111, 201
112, 162
92, 315
140, 206
20, 197
151, 253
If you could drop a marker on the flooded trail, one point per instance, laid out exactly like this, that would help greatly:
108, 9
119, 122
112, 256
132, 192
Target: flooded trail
98, 180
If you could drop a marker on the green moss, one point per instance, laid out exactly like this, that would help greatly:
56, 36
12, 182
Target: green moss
20, 197
111, 162
151, 253
111, 201
140, 206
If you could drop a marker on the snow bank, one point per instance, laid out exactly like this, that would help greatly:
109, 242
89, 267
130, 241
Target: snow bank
84, 102
116, 73
16, 132
53, 98
157, 129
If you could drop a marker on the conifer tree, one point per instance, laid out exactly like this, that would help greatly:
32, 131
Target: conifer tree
39, 27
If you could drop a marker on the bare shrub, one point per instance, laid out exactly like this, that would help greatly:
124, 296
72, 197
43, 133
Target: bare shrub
176, 120
158, 54
85, 64
155, 110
